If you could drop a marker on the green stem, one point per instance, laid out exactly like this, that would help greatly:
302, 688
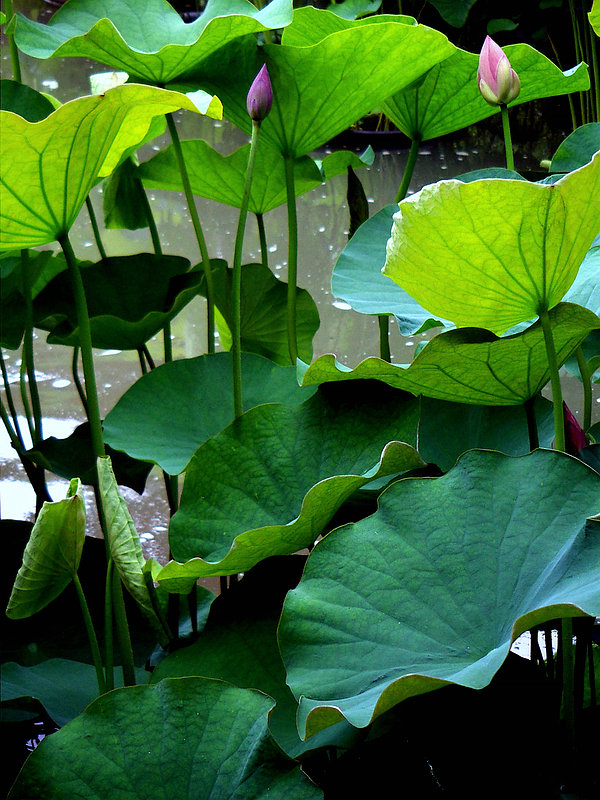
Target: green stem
25, 398
586, 380
14, 52
189, 196
89, 626
77, 381
85, 340
95, 228
122, 628
236, 283
409, 168
384, 337
595, 71
109, 646
557, 401
28, 348
262, 237
9, 399
510, 161
532, 430
288, 161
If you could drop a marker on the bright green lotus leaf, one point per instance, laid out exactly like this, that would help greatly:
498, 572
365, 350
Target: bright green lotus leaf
124, 545
130, 299
435, 586
585, 289
62, 686
358, 281
264, 313
471, 365
52, 554
311, 25
157, 51
187, 401
184, 738
494, 253
594, 17
270, 483
353, 9
24, 101
449, 98
454, 12
577, 149
319, 90
222, 178
49, 167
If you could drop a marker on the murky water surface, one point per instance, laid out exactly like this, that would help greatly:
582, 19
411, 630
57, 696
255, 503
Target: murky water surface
323, 221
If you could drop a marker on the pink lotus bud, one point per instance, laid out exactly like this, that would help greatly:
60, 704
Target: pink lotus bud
575, 438
498, 82
260, 96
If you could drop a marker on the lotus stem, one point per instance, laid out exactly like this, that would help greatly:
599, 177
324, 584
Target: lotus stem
586, 380
409, 168
292, 257
77, 381
93, 639
189, 196
568, 674
510, 161
9, 399
557, 401
25, 399
264, 252
532, 430
95, 228
108, 627
28, 348
14, 52
384, 337
123, 637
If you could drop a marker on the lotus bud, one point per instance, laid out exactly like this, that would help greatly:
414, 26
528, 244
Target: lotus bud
575, 438
498, 82
260, 96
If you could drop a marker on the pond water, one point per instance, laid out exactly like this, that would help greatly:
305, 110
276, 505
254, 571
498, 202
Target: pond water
323, 221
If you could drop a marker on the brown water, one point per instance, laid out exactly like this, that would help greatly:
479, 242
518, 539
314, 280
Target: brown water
323, 220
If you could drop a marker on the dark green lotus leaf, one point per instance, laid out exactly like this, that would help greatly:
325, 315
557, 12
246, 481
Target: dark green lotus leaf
358, 281
239, 645
222, 178
319, 90
270, 482
449, 98
50, 166
264, 313
158, 51
187, 401
62, 686
190, 738
52, 554
494, 253
471, 365
577, 149
130, 299
42, 266
490, 172
454, 12
585, 289
353, 9
24, 101
447, 430
74, 457
436, 585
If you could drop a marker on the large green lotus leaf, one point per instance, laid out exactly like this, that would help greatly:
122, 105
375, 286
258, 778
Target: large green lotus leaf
187, 401
263, 313
436, 585
357, 278
130, 299
453, 12
222, 178
50, 166
471, 365
585, 289
189, 738
62, 686
24, 101
494, 253
157, 51
310, 25
124, 545
353, 9
447, 430
449, 99
594, 17
577, 149
319, 90
52, 554
271, 481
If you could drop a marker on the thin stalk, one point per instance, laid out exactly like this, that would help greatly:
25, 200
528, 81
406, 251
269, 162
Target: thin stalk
11, 403
14, 435
77, 381
156, 606
142, 360
192, 600
409, 168
109, 644
384, 337
532, 430
557, 401
123, 637
510, 161
288, 161
85, 338
95, 228
25, 398
578, 52
189, 196
586, 380
568, 674
595, 73
28, 349
93, 639
148, 357
34, 474
262, 237
14, 52
236, 282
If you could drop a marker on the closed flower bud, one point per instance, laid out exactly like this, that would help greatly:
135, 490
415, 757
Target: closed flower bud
575, 438
498, 82
260, 96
